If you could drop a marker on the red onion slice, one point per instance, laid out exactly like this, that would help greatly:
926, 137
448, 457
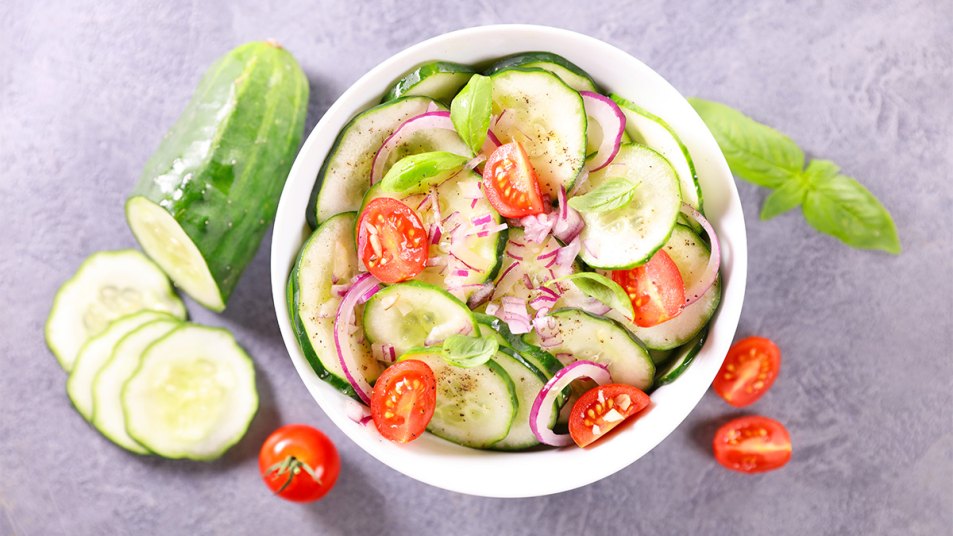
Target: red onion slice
544, 405
426, 120
708, 279
611, 120
569, 222
365, 286
490, 144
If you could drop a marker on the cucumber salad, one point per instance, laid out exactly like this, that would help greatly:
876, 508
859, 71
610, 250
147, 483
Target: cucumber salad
506, 260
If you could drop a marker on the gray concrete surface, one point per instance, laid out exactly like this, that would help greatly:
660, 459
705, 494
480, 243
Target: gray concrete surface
88, 88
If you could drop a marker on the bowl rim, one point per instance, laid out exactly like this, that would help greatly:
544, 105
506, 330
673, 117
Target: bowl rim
439, 463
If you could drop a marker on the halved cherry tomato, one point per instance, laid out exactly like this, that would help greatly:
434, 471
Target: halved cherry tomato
602, 408
655, 288
752, 444
391, 240
510, 183
404, 399
299, 463
748, 371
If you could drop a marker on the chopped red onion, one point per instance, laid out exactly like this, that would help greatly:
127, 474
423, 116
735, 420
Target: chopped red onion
482, 220
507, 279
512, 256
492, 308
537, 227
425, 202
515, 315
570, 223
543, 407
475, 161
435, 234
479, 297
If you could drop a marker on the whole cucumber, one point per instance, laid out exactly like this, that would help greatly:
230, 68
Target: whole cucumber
209, 193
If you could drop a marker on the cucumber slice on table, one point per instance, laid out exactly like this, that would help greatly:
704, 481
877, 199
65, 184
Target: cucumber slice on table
329, 255
682, 357
628, 236
651, 130
193, 395
414, 314
209, 193
548, 118
483, 254
603, 340
566, 70
690, 254
439, 80
96, 352
108, 416
475, 406
346, 174
108, 285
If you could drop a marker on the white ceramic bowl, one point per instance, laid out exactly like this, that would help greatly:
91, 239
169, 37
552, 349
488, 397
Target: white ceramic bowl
495, 474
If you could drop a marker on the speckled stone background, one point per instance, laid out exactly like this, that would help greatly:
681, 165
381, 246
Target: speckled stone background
88, 88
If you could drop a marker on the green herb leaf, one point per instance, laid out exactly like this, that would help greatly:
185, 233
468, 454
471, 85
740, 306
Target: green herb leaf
603, 289
417, 173
468, 352
471, 109
819, 171
757, 153
610, 195
788, 196
841, 207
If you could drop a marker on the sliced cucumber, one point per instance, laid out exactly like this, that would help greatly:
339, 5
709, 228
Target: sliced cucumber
603, 340
660, 357
528, 381
628, 236
475, 406
193, 395
682, 357
566, 70
483, 254
651, 130
548, 118
414, 314
536, 356
329, 255
346, 173
108, 285
439, 80
95, 353
690, 253
108, 416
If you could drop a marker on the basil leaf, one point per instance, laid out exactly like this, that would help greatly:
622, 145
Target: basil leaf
471, 109
788, 196
819, 171
610, 195
468, 352
417, 173
755, 152
841, 207
603, 289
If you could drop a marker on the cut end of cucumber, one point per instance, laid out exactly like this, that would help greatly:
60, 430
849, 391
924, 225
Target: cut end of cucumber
163, 239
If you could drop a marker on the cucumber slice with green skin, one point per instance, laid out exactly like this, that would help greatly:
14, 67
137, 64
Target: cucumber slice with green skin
536, 356
528, 381
95, 353
345, 175
682, 357
439, 80
690, 254
107, 286
603, 340
660, 357
548, 118
566, 70
108, 417
193, 395
628, 236
209, 193
483, 254
329, 255
414, 314
651, 130
475, 406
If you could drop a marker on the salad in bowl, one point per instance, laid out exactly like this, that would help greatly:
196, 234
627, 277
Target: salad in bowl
502, 255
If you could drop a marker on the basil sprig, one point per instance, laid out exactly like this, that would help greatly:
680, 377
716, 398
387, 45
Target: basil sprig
470, 111
831, 202
468, 352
